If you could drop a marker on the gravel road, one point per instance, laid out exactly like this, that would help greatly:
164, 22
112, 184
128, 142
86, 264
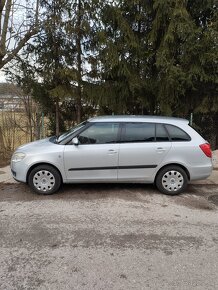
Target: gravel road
108, 237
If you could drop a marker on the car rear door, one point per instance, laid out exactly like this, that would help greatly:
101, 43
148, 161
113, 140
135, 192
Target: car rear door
143, 147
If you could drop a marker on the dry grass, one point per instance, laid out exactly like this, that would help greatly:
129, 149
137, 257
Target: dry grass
14, 131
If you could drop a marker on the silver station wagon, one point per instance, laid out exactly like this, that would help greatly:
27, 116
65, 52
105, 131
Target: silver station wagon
138, 149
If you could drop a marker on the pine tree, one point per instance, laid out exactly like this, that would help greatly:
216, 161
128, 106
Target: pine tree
81, 30
158, 56
124, 56
185, 54
63, 52
138, 57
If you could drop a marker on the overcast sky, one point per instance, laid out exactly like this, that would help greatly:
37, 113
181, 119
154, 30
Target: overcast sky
2, 77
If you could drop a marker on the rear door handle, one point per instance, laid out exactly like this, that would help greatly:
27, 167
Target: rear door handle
160, 149
112, 151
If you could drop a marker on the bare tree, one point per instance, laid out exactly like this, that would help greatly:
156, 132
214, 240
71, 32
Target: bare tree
19, 20
20, 121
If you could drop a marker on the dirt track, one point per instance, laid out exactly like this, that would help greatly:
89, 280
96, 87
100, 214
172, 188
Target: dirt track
108, 237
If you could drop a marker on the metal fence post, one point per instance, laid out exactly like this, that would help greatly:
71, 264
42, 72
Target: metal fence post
191, 119
43, 133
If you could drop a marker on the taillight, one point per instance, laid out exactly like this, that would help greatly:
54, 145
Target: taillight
206, 149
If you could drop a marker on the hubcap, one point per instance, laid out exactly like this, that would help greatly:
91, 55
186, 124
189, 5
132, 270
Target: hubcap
44, 180
172, 180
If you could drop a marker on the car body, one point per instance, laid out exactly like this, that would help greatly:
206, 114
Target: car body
146, 149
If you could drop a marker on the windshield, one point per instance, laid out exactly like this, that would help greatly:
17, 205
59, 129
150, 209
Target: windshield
72, 130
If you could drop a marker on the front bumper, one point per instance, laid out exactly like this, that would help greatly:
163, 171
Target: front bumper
19, 170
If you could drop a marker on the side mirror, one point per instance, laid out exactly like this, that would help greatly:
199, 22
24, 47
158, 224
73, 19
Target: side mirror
75, 141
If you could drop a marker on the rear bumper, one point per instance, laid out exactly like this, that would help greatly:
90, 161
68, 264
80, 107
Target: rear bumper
200, 172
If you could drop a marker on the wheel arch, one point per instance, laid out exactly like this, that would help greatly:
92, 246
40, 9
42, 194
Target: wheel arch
39, 164
173, 164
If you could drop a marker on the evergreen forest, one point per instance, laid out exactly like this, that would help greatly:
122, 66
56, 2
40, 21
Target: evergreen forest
81, 58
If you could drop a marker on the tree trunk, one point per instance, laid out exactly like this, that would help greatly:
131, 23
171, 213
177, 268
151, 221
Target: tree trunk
37, 127
2, 143
57, 132
79, 64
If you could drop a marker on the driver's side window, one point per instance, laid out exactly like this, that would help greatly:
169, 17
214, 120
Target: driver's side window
99, 133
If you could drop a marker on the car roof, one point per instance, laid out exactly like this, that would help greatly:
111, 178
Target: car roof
138, 118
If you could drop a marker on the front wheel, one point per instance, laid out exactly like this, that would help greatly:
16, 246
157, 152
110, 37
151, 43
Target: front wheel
171, 180
44, 179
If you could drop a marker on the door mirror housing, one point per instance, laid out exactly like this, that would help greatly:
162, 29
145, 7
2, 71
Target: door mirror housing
75, 141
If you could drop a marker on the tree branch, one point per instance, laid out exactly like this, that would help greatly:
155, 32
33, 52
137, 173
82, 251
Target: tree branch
6, 54
19, 46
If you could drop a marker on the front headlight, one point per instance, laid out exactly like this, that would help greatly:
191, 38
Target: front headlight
18, 156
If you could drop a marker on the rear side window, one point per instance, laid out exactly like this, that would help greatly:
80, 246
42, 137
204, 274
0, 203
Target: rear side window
177, 134
138, 132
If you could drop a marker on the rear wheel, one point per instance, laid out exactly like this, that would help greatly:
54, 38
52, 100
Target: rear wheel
44, 179
172, 180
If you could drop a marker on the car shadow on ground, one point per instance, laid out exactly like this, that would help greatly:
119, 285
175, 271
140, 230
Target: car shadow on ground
22, 191
195, 197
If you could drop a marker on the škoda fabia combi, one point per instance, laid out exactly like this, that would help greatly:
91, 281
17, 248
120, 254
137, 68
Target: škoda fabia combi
145, 149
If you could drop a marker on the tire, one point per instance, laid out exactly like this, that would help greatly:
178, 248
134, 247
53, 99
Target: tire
44, 179
171, 180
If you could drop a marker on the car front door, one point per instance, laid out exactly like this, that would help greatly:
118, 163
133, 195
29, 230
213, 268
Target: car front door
143, 147
95, 158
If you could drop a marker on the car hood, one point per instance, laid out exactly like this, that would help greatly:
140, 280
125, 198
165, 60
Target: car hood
36, 145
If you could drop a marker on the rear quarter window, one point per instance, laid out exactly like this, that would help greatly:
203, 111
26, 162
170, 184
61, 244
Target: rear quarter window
177, 134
